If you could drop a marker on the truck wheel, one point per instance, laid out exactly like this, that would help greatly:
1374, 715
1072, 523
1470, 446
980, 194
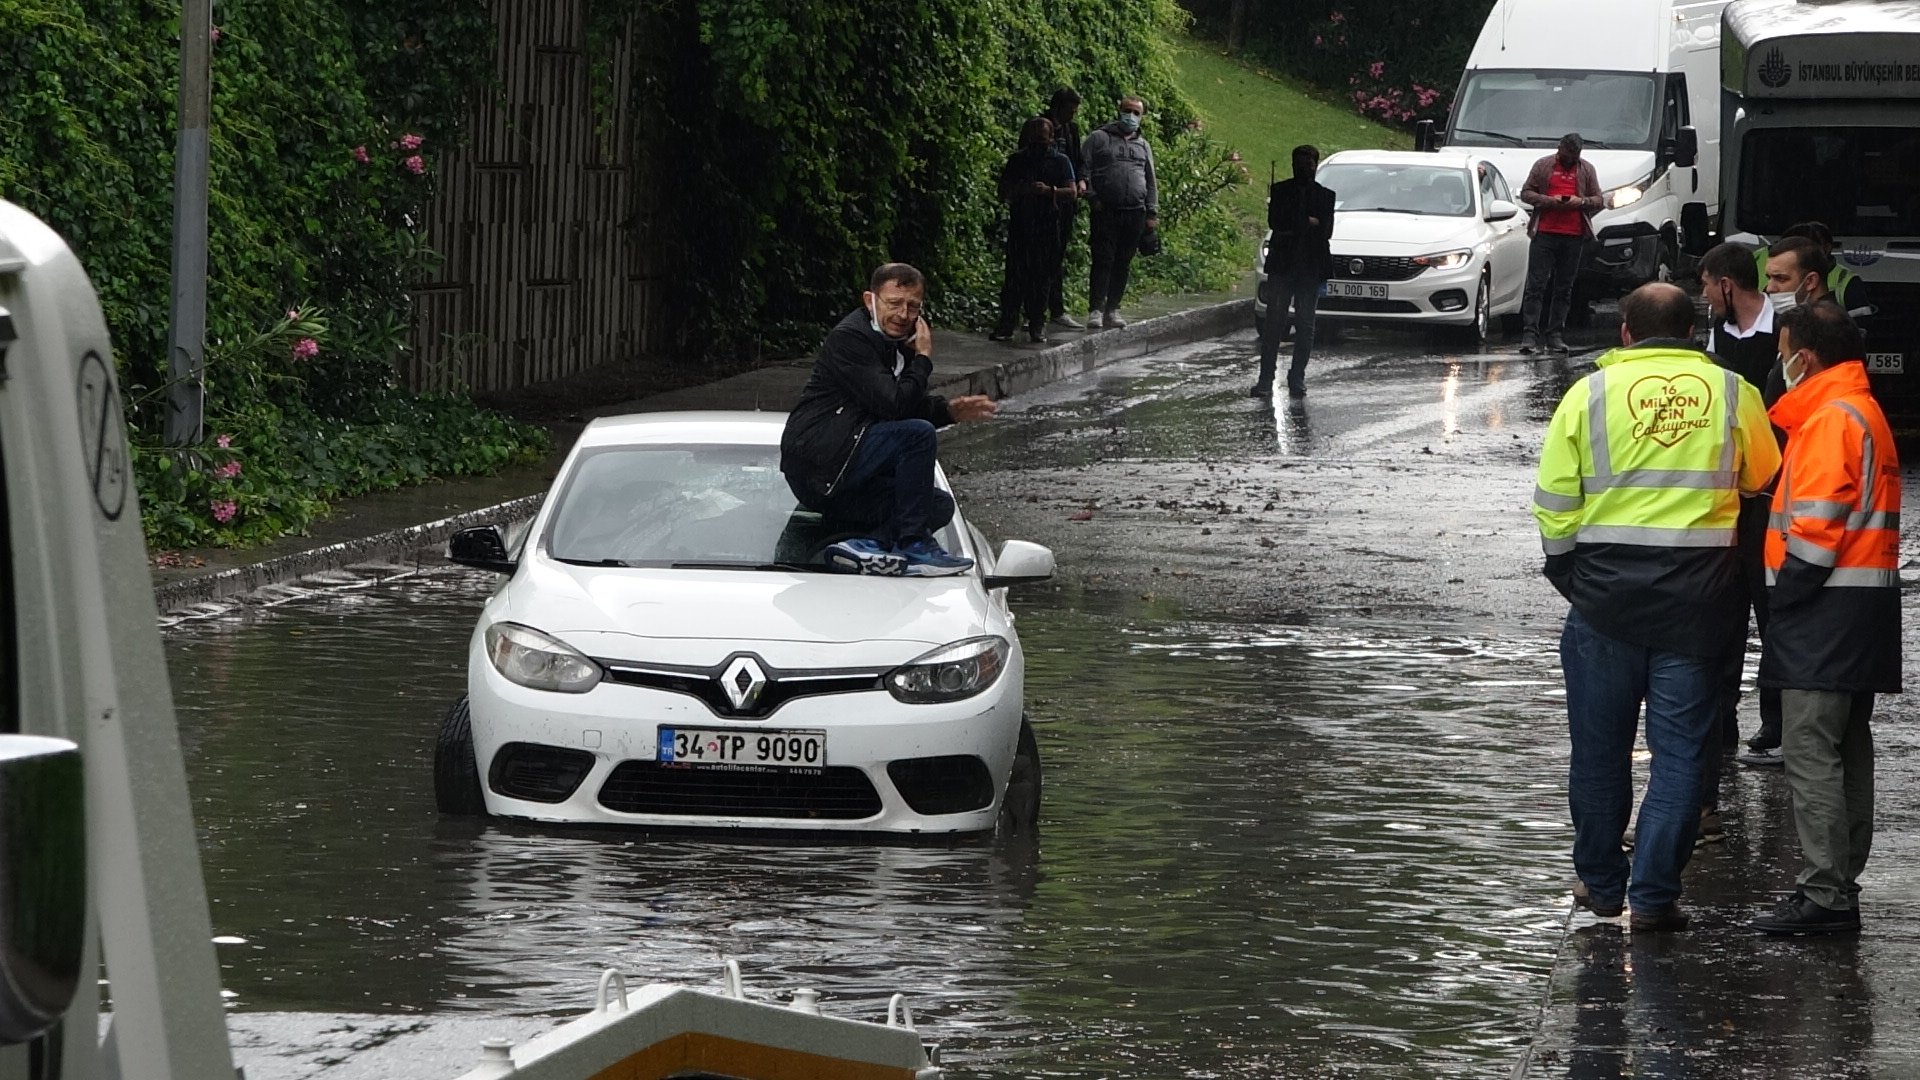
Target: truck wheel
1020, 810
456, 775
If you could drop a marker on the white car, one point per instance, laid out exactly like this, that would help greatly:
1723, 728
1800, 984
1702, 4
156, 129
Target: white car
1428, 239
669, 650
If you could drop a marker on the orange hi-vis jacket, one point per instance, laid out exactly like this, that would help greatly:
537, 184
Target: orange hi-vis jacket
1833, 545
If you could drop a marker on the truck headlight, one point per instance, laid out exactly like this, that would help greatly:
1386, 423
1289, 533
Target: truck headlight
1628, 194
526, 657
951, 672
1446, 260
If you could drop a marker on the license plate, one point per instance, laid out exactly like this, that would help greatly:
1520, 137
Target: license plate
1887, 363
762, 749
1356, 290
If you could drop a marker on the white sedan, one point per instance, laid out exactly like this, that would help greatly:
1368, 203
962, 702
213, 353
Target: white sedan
670, 650
1430, 239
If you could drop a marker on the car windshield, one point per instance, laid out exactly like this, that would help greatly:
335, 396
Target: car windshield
1406, 189
689, 506
1858, 180
1536, 108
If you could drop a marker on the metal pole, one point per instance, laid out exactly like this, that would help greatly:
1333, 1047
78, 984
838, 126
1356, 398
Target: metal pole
186, 355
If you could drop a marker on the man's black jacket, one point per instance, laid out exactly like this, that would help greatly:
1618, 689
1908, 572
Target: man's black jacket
1299, 249
860, 378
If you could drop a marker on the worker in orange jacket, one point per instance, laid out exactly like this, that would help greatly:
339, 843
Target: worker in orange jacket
1833, 639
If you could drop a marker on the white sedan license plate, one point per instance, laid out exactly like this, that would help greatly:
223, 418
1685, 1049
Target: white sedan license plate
1887, 363
762, 749
1356, 290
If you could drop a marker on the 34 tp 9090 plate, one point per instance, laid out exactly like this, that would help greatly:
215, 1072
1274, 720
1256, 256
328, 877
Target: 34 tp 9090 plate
766, 749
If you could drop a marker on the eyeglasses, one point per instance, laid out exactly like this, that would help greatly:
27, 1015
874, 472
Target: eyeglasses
894, 305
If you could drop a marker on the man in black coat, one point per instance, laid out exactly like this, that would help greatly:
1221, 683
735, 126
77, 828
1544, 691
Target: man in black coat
1299, 262
859, 446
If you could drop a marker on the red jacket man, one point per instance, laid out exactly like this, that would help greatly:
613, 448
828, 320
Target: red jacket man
1564, 192
1833, 638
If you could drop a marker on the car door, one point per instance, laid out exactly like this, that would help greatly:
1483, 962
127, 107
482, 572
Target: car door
1509, 239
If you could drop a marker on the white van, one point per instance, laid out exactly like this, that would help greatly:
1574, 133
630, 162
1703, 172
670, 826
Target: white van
1639, 81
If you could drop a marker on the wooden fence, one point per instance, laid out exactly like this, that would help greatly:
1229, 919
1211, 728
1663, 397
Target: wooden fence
543, 217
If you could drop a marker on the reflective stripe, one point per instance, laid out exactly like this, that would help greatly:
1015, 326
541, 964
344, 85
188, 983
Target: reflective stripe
1733, 424
1692, 479
1556, 547
1807, 551
1859, 577
1597, 424
1547, 500
1817, 509
1879, 519
1773, 577
1648, 536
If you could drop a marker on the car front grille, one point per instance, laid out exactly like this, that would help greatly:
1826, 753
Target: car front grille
545, 774
1368, 307
1375, 268
943, 785
777, 687
649, 787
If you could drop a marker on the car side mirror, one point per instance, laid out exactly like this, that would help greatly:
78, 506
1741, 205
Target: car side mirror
1426, 137
1686, 148
1021, 563
483, 547
43, 883
1502, 210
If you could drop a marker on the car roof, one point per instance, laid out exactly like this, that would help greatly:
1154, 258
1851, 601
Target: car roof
1459, 159
740, 428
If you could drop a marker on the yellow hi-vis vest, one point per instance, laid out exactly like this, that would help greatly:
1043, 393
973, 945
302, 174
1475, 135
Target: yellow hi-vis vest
1654, 449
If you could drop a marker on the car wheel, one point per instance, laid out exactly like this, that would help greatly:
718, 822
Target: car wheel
1020, 810
1480, 329
456, 775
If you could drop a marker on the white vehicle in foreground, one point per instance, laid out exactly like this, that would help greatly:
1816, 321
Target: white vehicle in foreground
670, 650
1428, 239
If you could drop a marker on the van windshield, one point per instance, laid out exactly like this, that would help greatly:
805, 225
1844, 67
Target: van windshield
1608, 109
1857, 180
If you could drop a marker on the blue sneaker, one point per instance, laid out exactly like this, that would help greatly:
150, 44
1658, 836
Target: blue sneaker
924, 558
865, 557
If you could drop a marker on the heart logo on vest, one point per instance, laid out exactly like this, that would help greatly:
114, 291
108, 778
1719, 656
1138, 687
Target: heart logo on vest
1667, 409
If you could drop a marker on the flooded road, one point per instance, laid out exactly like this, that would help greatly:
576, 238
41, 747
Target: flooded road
1295, 692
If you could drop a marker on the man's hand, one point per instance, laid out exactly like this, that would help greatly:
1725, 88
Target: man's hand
1040, 188
972, 407
1153, 222
923, 338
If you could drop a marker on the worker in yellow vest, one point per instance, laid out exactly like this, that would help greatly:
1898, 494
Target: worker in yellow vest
1641, 475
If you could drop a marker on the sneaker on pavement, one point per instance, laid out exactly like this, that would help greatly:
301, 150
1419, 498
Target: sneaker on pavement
1798, 914
1764, 740
1096, 320
1068, 322
1114, 321
1711, 830
1655, 922
1529, 342
1557, 343
1772, 757
1263, 390
864, 556
1606, 909
924, 558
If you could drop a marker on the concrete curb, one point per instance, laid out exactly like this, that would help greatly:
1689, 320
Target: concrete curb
1021, 372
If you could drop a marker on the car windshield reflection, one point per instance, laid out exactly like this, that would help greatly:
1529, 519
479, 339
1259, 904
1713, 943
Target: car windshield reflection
1442, 191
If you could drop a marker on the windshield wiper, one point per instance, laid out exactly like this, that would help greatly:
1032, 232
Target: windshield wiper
798, 568
593, 562
1379, 210
1514, 139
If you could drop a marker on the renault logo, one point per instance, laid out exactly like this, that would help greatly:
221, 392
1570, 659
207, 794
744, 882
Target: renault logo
742, 682
1357, 267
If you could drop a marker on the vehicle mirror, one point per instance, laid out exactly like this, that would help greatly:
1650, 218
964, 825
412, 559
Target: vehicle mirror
1426, 137
483, 547
1021, 563
1686, 148
1502, 210
43, 882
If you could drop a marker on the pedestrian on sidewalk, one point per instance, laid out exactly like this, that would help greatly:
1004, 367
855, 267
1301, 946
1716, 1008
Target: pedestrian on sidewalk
1036, 182
1299, 262
1640, 478
1742, 340
1564, 191
1833, 641
859, 447
1062, 110
1125, 197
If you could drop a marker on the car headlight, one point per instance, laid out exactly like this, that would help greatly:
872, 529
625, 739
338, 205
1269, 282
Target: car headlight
951, 672
529, 658
1446, 260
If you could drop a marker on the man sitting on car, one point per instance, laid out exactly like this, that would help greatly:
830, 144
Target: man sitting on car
859, 447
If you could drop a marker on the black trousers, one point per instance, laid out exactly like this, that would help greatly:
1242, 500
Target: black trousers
1032, 263
1291, 297
1752, 532
1115, 238
1552, 263
1057, 278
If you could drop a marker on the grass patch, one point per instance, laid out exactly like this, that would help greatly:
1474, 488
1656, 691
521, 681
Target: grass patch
1264, 116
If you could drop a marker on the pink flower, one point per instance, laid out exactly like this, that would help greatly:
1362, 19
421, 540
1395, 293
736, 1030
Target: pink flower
306, 349
228, 471
224, 509
1336, 18
360, 155
1377, 68
411, 142
293, 314
214, 35
223, 441
1318, 41
415, 165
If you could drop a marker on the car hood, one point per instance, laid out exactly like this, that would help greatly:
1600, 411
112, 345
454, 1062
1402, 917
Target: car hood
1614, 167
586, 606
1413, 234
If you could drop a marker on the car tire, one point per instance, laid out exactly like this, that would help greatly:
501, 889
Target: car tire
456, 773
1020, 809
1476, 333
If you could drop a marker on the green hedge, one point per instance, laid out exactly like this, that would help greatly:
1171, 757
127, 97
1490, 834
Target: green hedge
325, 120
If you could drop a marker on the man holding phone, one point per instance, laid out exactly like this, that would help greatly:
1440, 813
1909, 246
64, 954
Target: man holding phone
859, 446
1564, 192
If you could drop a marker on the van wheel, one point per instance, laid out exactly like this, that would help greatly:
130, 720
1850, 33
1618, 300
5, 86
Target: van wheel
1020, 810
1669, 258
456, 774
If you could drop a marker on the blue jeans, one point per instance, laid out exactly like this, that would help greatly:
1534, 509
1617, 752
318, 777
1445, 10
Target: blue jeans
888, 491
1607, 680
1302, 294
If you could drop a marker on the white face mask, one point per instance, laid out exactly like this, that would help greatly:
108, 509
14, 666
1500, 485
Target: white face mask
1793, 370
1783, 302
